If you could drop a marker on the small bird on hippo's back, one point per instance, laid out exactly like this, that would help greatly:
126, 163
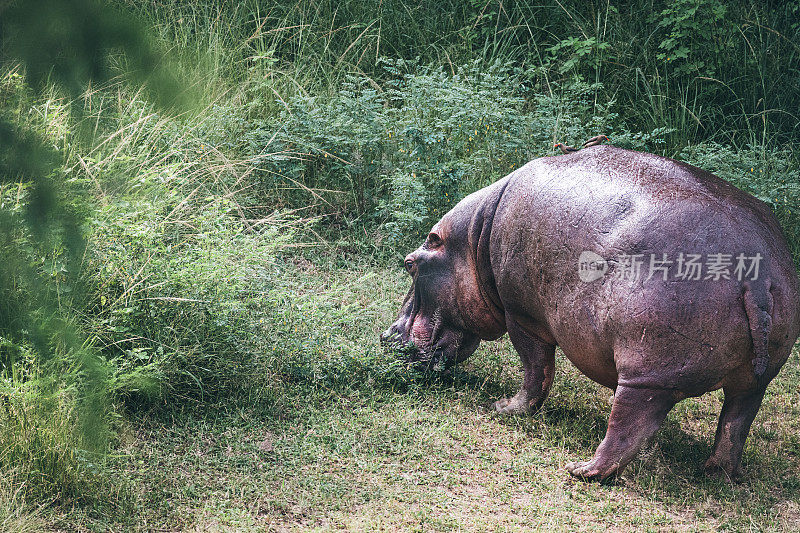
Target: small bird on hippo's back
596, 140
564, 148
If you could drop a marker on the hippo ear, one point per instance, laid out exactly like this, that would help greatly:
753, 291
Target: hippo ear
433, 240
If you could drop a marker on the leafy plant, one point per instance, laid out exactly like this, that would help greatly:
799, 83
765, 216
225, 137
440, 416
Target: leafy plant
573, 52
693, 35
772, 176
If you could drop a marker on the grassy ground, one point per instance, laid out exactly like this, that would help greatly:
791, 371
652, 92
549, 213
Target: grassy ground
378, 448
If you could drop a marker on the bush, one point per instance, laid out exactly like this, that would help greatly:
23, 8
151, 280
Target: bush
771, 175
399, 158
174, 305
177, 259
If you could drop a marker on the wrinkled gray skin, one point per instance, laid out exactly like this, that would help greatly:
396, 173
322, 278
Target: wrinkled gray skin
506, 259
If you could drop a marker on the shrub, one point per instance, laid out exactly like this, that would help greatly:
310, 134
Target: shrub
771, 175
172, 310
400, 158
177, 258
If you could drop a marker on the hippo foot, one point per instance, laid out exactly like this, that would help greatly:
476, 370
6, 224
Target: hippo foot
715, 469
517, 405
592, 470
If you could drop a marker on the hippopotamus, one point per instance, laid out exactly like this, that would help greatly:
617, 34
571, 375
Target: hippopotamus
656, 279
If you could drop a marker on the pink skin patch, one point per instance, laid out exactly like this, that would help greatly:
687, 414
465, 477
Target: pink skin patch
420, 332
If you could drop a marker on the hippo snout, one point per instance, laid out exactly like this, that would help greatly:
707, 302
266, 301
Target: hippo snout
391, 337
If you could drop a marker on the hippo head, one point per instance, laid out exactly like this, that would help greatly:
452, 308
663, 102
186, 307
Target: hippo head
446, 312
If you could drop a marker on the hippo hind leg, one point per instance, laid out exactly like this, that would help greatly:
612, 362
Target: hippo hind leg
636, 415
738, 412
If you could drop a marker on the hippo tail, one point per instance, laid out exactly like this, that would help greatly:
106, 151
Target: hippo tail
758, 307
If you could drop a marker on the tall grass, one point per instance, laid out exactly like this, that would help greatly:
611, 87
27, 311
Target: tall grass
704, 68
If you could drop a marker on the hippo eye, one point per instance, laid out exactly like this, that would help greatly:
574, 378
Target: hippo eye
433, 241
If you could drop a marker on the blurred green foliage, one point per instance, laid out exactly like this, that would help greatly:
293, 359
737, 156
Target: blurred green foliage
54, 384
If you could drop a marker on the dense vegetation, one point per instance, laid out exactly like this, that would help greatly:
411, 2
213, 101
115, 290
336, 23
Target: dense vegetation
203, 211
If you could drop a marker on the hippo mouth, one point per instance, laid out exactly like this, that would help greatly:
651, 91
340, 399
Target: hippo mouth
424, 340
416, 342
428, 354
412, 336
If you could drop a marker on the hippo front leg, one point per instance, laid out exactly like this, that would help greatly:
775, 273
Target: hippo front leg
538, 362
